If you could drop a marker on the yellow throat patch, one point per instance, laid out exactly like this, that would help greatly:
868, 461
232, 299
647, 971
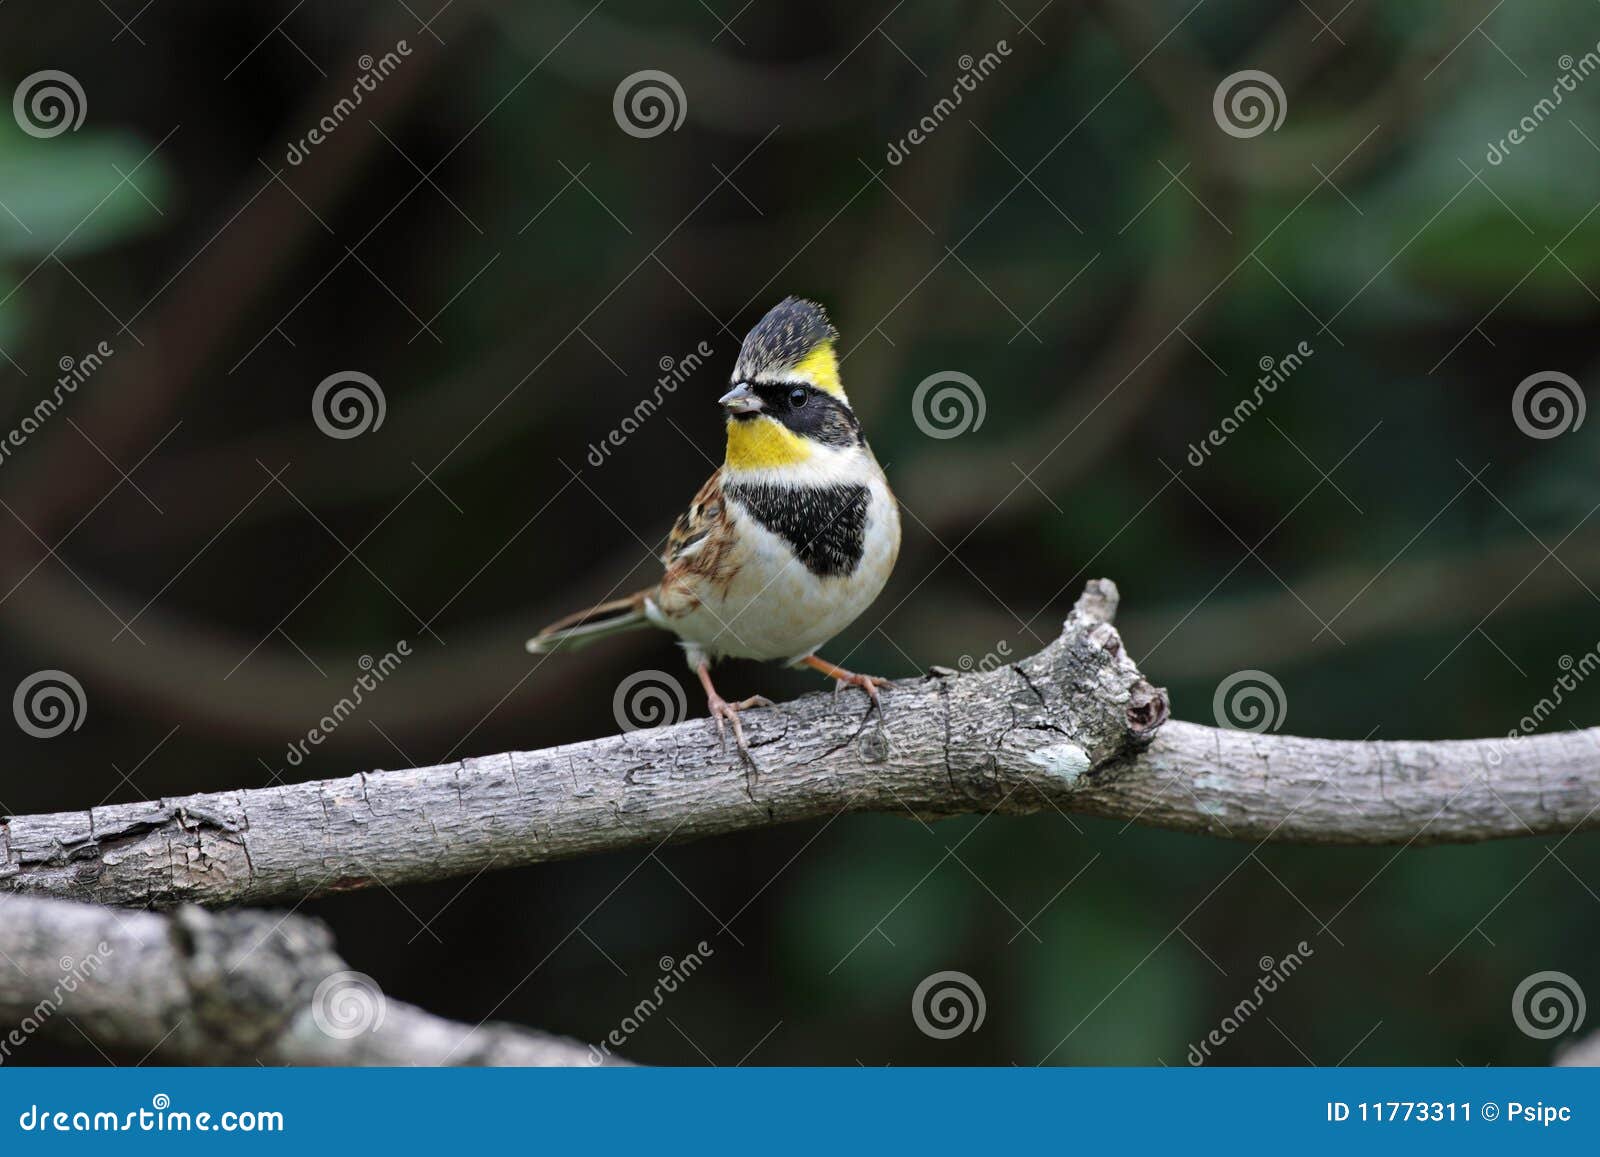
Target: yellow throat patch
761, 443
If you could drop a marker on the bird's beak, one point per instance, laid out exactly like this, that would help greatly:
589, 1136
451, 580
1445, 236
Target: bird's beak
741, 399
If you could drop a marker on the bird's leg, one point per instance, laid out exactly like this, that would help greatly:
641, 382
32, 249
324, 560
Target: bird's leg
843, 678
721, 710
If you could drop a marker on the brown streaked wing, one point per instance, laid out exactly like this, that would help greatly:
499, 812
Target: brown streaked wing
704, 516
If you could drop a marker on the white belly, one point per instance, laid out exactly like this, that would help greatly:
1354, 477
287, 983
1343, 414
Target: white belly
775, 608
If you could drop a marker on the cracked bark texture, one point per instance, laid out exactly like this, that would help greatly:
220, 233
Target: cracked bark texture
1074, 728
230, 988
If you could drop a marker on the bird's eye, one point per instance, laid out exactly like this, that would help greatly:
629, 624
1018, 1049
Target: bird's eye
797, 398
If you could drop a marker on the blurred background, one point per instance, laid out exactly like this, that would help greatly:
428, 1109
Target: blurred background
514, 253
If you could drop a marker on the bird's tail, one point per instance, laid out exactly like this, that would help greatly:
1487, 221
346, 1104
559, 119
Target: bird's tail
585, 626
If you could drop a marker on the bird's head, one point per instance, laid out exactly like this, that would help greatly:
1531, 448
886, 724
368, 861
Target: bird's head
787, 400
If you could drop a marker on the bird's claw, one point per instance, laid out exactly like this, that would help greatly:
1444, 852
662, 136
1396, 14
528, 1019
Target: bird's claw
724, 713
868, 683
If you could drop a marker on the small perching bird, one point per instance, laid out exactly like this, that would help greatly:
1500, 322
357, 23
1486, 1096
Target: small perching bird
788, 542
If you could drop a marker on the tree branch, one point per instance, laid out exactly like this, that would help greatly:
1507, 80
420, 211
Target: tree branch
1075, 728
234, 987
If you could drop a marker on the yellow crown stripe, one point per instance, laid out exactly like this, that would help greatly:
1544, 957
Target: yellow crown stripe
820, 368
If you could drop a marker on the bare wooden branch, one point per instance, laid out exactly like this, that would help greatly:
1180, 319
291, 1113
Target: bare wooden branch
1075, 728
232, 987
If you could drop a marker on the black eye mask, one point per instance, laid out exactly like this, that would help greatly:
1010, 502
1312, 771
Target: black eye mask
810, 412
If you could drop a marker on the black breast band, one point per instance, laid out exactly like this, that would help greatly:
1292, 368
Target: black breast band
824, 525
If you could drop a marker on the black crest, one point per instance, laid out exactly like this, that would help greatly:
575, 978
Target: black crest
791, 330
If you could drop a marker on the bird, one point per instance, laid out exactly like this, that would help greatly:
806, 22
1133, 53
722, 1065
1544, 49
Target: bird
788, 541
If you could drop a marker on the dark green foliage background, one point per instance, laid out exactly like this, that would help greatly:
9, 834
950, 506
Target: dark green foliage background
821, 933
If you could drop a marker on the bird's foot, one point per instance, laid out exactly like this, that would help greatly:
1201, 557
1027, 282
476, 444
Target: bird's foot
868, 683
725, 714
722, 710
842, 679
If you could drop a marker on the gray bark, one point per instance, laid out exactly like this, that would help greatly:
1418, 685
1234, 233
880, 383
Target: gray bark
231, 988
1075, 728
